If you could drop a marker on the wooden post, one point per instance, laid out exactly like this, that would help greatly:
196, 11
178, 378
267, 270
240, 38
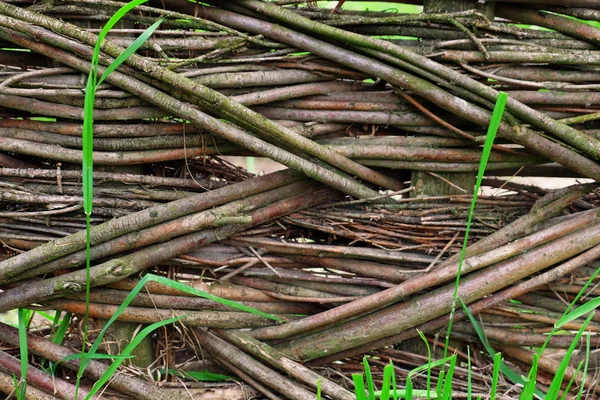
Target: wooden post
426, 184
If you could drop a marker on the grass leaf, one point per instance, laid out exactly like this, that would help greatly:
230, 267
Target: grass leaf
369, 376
469, 373
196, 292
485, 155
429, 366
60, 333
440, 383
359, 386
131, 49
202, 376
560, 372
447, 392
505, 369
394, 387
319, 389
87, 136
428, 361
528, 389
21, 388
126, 352
409, 389
585, 368
495, 375
388, 371
566, 391
578, 312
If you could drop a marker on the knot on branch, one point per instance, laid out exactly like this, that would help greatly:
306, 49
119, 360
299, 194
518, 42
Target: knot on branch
71, 286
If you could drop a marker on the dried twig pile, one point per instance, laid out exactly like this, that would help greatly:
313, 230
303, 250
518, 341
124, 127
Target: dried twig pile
343, 246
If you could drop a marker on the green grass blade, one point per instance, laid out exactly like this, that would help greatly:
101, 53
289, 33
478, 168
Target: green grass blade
88, 111
469, 372
485, 155
126, 352
359, 386
428, 361
369, 376
87, 137
21, 388
447, 393
319, 389
196, 292
566, 391
202, 376
592, 278
506, 371
585, 368
86, 358
495, 375
388, 371
174, 285
578, 312
57, 334
429, 366
18, 394
60, 333
560, 373
133, 47
394, 385
408, 390
120, 13
440, 383
528, 389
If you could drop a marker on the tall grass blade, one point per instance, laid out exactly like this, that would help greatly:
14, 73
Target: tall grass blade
369, 376
196, 292
564, 320
440, 383
60, 333
395, 394
57, 336
495, 375
388, 371
560, 373
408, 391
429, 366
585, 368
53, 319
359, 386
126, 352
205, 376
18, 393
578, 312
447, 393
21, 388
485, 155
566, 391
133, 47
87, 158
528, 389
319, 389
505, 369
469, 373
428, 362
174, 285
